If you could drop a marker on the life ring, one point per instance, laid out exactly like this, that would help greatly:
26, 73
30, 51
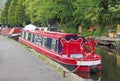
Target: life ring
88, 48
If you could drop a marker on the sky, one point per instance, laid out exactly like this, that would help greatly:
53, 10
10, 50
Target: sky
2, 2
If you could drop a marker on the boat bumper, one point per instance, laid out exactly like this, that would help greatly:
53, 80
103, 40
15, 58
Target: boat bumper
92, 68
88, 63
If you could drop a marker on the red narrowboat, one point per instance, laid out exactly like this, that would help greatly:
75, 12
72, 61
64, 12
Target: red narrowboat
14, 32
11, 32
5, 31
68, 49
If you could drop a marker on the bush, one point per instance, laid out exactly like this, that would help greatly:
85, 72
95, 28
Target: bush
69, 29
96, 32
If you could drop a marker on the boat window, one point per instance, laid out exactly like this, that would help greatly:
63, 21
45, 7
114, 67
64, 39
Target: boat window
26, 36
54, 45
29, 36
49, 42
36, 39
59, 47
71, 37
39, 40
22, 34
44, 41
32, 38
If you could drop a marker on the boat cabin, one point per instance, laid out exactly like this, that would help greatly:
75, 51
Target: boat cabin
67, 45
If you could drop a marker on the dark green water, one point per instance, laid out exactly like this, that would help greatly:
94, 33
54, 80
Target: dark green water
110, 66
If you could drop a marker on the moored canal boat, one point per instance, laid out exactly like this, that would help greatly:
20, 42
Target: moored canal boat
68, 49
11, 32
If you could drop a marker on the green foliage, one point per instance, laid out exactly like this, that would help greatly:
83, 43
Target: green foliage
69, 29
20, 17
2, 16
43, 11
6, 11
86, 11
68, 14
11, 12
99, 31
31, 8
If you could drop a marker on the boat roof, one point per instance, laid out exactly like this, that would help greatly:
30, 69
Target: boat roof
30, 27
33, 29
50, 34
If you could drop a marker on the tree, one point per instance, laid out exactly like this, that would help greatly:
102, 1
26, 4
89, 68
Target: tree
20, 17
2, 16
11, 13
45, 11
107, 16
30, 10
6, 11
67, 13
86, 12
114, 10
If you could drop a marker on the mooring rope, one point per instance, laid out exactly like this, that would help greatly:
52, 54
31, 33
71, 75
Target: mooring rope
74, 70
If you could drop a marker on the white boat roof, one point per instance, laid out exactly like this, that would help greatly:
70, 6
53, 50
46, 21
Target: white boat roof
30, 27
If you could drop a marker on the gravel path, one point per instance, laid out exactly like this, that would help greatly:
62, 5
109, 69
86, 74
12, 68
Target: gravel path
17, 64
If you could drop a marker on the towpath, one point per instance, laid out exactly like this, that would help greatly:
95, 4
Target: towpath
17, 64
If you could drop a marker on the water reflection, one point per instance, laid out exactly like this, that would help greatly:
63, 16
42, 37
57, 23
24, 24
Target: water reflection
110, 62
110, 66
90, 76
118, 61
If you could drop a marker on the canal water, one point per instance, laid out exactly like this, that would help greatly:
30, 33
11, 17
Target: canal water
110, 66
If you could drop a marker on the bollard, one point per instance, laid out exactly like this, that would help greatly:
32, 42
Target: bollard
64, 73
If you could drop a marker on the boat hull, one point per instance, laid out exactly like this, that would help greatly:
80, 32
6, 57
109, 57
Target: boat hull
83, 69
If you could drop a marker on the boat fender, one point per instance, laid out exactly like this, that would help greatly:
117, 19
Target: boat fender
57, 57
94, 69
